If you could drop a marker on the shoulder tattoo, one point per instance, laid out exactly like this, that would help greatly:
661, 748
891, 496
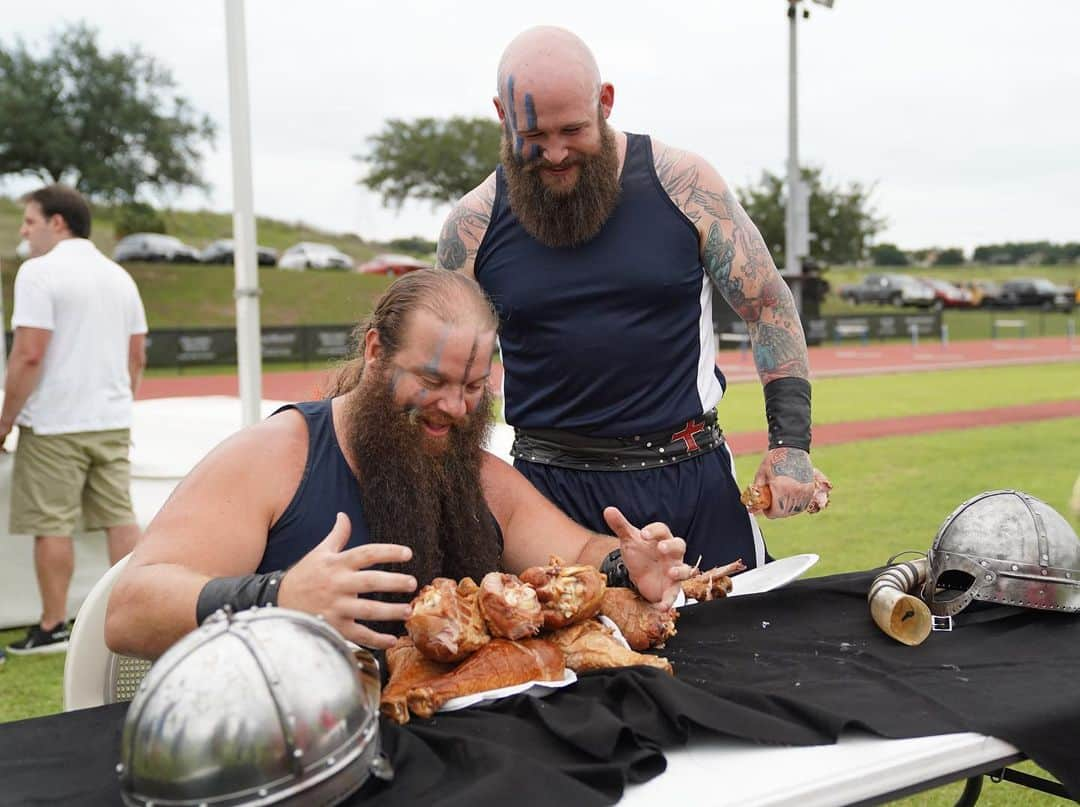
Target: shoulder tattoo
464, 229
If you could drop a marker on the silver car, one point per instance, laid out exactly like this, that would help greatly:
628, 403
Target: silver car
313, 255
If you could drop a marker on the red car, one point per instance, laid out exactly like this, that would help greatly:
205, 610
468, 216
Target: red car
391, 265
947, 295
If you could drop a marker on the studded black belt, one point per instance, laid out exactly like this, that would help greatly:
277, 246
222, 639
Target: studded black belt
566, 449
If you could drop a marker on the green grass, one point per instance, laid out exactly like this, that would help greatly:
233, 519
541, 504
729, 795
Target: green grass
837, 400
30, 685
197, 228
198, 296
1067, 274
893, 493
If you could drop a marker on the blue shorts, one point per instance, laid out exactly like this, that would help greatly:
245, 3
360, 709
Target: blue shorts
698, 498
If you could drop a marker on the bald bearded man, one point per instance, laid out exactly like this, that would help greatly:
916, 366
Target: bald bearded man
602, 252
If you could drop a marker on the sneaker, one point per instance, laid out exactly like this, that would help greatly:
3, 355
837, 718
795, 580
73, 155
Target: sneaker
42, 641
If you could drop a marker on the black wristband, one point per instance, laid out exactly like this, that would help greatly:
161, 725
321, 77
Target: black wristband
613, 567
787, 411
238, 593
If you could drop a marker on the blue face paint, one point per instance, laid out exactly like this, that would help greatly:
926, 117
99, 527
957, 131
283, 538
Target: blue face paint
395, 378
433, 365
530, 123
511, 114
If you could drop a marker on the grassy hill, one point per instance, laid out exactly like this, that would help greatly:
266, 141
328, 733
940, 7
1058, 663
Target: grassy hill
180, 295
185, 295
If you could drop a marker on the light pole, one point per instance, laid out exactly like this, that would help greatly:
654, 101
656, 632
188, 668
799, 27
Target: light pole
248, 329
797, 212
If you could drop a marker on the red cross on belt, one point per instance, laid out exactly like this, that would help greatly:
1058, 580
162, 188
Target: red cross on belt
687, 434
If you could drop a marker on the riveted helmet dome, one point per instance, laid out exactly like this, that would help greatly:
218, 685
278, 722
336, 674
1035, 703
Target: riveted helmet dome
268, 706
1004, 546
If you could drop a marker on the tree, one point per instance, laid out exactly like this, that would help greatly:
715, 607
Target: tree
841, 218
414, 243
108, 124
888, 255
430, 158
953, 256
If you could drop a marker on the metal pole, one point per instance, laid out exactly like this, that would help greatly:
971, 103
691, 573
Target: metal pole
791, 260
248, 347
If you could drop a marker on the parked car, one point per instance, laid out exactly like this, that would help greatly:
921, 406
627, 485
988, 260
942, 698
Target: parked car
895, 290
221, 251
948, 295
1037, 292
391, 265
154, 247
312, 255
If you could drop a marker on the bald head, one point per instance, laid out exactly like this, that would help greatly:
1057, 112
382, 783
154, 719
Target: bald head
546, 59
549, 89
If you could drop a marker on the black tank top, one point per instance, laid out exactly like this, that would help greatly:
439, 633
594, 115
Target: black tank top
612, 338
328, 487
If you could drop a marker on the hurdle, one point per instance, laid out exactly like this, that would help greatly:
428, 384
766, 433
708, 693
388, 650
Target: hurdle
1014, 324
859, 329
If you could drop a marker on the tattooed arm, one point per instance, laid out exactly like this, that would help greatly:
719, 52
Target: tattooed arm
464, 228
739, 265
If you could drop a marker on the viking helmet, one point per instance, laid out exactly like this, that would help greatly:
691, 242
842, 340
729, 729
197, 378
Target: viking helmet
267, 706
1004, 546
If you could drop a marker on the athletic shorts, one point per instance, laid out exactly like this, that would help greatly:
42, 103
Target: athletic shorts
58, 475
698, 498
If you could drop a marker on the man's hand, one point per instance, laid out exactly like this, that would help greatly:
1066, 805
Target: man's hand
653, 556
327, 582
788, 472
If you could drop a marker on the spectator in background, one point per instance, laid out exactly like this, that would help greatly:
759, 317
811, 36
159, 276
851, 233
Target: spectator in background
77, 356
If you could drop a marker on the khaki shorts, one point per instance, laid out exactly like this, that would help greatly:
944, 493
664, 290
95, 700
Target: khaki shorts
56, 475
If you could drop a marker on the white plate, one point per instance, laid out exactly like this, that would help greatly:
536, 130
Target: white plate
772, 575
537, 689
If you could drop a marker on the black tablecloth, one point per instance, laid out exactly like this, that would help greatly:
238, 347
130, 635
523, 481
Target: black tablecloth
794, 666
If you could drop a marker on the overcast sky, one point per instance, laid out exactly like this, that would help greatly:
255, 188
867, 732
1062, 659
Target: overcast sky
964, 114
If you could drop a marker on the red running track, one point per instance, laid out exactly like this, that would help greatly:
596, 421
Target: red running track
825, 361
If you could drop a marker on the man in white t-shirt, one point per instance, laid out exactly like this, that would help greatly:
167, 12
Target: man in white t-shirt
76, 360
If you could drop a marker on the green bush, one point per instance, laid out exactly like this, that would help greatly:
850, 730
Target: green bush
138, 217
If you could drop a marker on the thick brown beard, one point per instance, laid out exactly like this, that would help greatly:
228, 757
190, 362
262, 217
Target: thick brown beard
431, 502
564, 219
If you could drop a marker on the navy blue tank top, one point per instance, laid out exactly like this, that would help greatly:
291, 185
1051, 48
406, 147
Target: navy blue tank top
611, 338
327, 488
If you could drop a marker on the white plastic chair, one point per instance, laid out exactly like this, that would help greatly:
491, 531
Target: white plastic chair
93, 674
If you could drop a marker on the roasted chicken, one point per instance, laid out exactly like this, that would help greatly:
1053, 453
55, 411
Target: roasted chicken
446, 624
510, 607
408, 668
713, 584
499, 663
758, 499
589, 645
642, 623
567, 594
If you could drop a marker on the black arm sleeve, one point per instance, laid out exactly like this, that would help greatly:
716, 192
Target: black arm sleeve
238, 593
787, 411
